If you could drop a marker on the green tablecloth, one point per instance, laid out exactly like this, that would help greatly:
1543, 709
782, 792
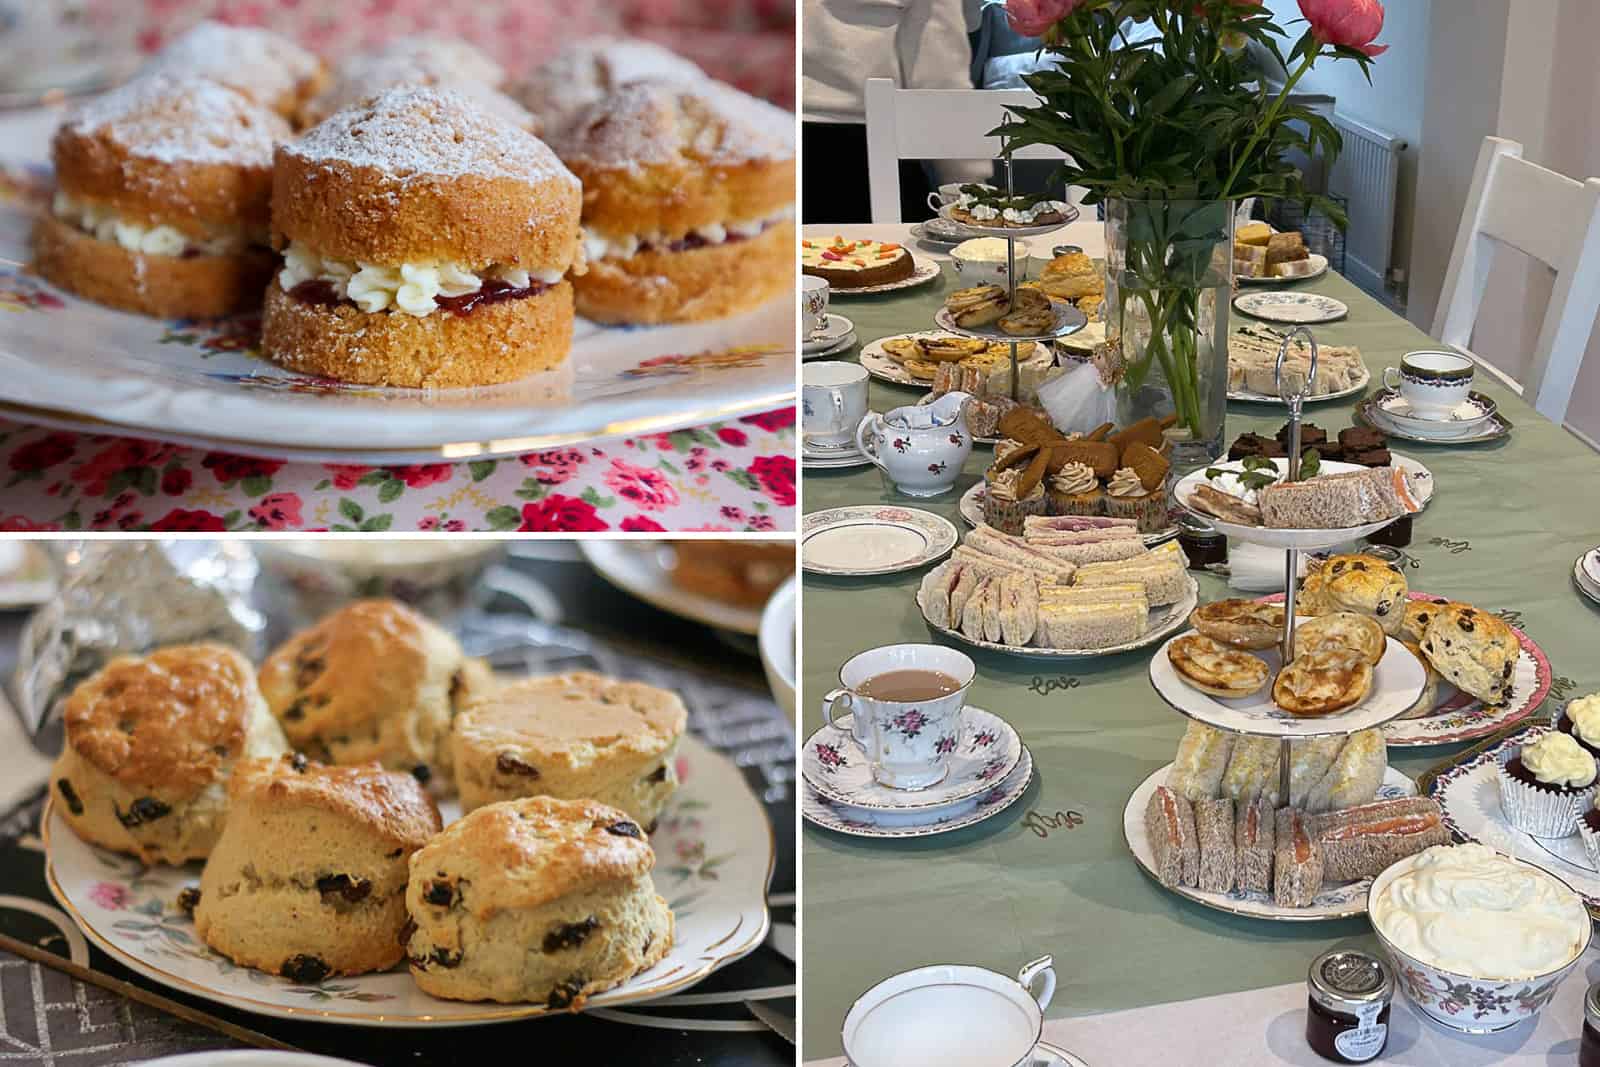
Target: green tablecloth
1504, 527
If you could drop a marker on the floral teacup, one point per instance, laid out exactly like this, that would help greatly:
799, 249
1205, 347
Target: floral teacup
908, 743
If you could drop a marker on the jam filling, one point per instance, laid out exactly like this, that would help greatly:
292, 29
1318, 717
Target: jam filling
494, 290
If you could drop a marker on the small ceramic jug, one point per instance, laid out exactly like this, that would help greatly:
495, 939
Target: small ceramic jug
921, 449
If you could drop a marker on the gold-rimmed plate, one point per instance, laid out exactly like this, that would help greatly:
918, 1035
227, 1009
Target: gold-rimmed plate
713, 872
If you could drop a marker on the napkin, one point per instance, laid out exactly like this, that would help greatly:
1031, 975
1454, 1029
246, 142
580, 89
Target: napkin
1257, 568
1077, 401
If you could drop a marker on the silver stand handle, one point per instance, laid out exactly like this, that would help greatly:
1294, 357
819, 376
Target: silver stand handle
1296, 402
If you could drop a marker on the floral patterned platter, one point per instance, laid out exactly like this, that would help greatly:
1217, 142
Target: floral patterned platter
1469, 795
972, 511
871, 539
836, 768
202, 382
1332, 902
882, 367
862, 822
641, 568
714, 853
1460, 716
1163, 621
1294, 308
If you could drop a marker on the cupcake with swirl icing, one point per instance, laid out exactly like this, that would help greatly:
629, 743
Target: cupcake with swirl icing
1581, 720
1127, 497
1074, 490
1547, 785
1006, 507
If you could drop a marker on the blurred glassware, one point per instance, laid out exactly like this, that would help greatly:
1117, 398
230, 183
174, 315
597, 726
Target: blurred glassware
50, 48
303, 579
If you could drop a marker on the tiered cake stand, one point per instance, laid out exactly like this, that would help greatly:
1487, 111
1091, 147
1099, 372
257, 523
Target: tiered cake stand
1069, 319
1398, 679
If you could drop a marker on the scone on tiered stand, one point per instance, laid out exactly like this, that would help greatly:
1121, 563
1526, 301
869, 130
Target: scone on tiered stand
539, 900
572, 736
162, 189
309, 878
373, 681
151, 742
426, 244
268, 68
583, 73
688, 201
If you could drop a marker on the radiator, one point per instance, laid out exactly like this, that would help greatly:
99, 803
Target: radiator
1367, 176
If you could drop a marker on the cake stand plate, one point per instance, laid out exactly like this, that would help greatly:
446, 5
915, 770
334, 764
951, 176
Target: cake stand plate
1304, 540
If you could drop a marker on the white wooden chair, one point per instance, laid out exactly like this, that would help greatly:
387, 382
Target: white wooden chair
1552, 218
933, 124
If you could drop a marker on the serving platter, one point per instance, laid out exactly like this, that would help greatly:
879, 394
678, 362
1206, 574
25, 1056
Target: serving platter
1468, 791
85, 366
643, 568
1319, 264
1291, 307
1331, 902
867, 539
837, 768
713, 872
1396, 685
1163, 621
880, 365
1069, 216
971, 506
1246, 397
1068, 319
924, 270
881, 825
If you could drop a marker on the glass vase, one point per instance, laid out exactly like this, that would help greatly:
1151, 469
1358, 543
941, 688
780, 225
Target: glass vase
1169, 280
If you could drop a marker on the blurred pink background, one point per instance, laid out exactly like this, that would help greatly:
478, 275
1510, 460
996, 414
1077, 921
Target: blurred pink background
749, 43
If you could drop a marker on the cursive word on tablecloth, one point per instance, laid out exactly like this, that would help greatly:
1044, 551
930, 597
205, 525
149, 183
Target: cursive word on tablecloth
1041, 825
1045, 686
731, 476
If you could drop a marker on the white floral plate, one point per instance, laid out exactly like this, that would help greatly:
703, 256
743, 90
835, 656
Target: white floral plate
873, 539
1469, 795
643, 568
834, 765
1352, 389
1293, 307
1163, 621
924, 270
1306, 540
1319, 267
972, 512
879, 364
1069, 216
714, 850
1396, 685
1331, 902
861, 822
200, 380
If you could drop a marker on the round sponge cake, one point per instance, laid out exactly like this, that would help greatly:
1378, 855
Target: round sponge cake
577, 735
151, 742
582, 73
264, 66
309, 878
537, 900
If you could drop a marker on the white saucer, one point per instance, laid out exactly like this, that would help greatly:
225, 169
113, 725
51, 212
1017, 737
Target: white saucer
848, 342
825, 457
882, 825
987, 750
838, 329
1465, 417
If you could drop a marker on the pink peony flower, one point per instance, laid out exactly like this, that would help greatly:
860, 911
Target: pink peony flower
1352, 23
647, 488
1032, 18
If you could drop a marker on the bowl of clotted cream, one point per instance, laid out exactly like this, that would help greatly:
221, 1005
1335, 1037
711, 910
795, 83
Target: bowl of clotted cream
1479, 941
982, 261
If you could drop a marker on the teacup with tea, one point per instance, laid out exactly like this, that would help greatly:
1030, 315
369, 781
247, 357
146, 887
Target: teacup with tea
906, 706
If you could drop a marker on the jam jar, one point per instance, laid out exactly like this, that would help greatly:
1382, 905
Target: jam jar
1347, 1015
1396, 535
1589, 1047
1200, 541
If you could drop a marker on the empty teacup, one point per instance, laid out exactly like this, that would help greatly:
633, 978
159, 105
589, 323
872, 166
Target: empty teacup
905, 703
948, 193
833, 400
950, 1017
1432, 384
814, 294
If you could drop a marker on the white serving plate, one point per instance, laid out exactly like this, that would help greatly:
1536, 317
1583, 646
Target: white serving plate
1319, 263
198, 382
1307, 540
879, 364
1396, 684
1163, 621
1262, 398
923, 270
1332, 902
713, 872
1068, 320
972, 513
881, 825
1290, 306
1069, 216
869, 539
641, 568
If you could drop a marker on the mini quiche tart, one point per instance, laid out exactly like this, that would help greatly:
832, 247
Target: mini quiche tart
1321, 683
1240, 623
1214, 668
855, 264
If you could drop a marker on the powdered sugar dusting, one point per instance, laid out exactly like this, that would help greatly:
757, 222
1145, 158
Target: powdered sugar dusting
415, 130
661, 121
183, 119
564, 86
259, 63
450, 59
362, 76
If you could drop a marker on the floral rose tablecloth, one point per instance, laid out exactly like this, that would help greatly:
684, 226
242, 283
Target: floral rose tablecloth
731, 476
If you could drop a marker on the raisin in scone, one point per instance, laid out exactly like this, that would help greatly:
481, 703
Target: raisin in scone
309, 878
372, 681
571, 735
151, 742
539, 900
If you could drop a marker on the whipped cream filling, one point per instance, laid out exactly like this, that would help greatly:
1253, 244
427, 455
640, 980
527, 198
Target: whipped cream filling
160, 240
598, 245
409, 288
1585, 715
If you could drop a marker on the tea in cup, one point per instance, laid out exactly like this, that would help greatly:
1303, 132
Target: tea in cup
905, 703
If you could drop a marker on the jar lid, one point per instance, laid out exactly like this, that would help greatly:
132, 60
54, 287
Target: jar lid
1347, 980
1194, 526
1591, 1004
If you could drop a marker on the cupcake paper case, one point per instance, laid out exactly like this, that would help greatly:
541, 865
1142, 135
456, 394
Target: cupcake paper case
1540, 810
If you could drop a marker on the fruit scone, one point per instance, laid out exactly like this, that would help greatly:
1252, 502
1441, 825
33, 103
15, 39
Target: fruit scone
426, 244
437, 62
688, 202
540, 900
309, 877
584, 72
266, 67
151, 743
571, 735
161, 204
373, 681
